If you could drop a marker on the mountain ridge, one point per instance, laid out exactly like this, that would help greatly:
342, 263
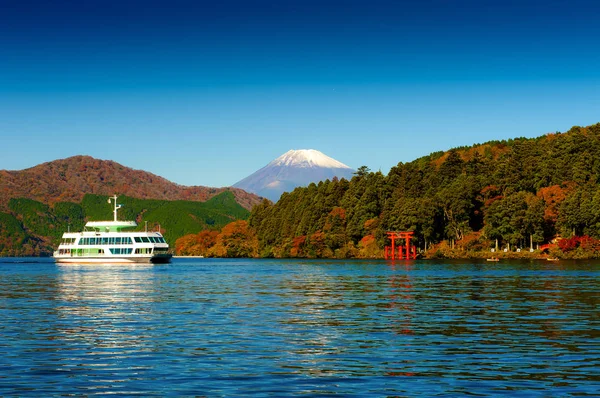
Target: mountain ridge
69, 179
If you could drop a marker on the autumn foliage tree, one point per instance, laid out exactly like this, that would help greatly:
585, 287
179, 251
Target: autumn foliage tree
236, 239
196, 244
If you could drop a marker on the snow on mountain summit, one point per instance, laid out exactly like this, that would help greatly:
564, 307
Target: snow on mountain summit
307, 158
295, 168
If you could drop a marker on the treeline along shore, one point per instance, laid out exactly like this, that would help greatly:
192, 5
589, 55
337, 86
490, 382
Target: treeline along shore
514, 195
511, 196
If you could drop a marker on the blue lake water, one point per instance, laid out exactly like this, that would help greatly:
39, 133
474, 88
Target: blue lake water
215, 327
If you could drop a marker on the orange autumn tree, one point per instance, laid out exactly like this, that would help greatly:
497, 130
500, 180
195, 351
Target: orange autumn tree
368, 247
236, 239
553, 196
196, 244
318, 247
298, 244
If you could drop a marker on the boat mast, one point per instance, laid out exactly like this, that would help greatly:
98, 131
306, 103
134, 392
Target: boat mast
117, 207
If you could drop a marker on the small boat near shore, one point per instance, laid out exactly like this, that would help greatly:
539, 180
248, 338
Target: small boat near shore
106, 242
493, 259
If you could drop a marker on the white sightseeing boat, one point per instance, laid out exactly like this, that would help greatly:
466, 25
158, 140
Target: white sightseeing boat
105, 242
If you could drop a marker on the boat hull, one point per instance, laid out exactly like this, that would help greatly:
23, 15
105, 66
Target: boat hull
158, 259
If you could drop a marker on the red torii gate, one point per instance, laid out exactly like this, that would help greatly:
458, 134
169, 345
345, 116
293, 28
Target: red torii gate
406, 252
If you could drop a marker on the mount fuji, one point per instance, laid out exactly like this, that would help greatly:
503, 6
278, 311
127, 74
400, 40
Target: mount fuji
295, 168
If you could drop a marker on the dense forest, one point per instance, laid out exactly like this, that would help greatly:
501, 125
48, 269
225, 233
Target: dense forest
32, 228
513, 194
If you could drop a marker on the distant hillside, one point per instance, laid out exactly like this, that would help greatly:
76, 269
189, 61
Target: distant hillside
69, 180
29, 227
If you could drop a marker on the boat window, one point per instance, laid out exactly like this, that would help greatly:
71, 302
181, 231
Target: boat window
145, 239
137, 239
118, 240
120, 250
127, 241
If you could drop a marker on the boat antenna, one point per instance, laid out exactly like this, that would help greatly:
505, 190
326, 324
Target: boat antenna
117, 206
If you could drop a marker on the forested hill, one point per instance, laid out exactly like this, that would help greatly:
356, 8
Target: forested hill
33, 228
514, 191
72, 178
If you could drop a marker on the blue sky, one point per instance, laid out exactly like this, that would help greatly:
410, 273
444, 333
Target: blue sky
205, 93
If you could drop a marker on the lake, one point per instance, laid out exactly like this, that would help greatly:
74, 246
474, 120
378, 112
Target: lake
217, 327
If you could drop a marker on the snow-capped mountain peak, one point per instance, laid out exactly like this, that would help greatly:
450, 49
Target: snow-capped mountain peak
307, 158
293, 169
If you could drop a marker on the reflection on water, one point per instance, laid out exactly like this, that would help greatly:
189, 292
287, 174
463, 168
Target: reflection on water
102, 307
269, 327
